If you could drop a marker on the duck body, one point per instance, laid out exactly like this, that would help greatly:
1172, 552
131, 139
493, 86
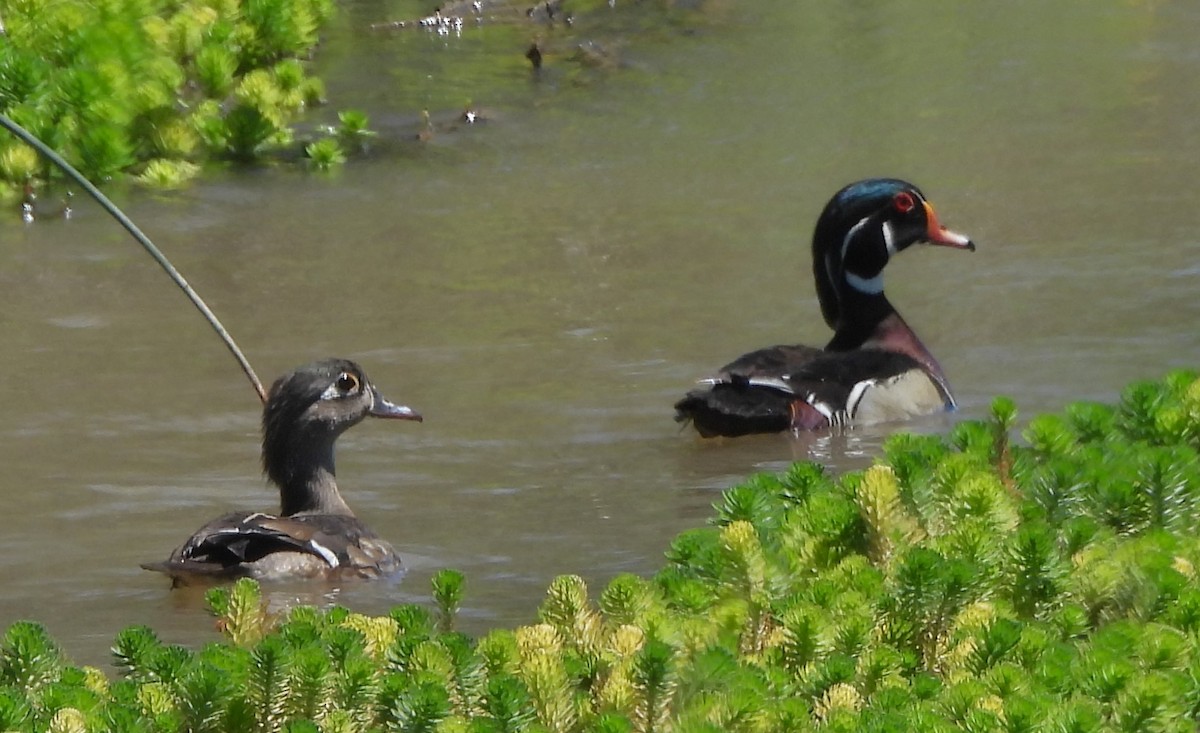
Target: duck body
268, 547
874, 369
804, 388
315, 534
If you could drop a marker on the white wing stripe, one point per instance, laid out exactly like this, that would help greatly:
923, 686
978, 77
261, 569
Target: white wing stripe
779, 383
324, 552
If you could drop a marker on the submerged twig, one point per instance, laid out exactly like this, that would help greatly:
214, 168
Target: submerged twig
142, 239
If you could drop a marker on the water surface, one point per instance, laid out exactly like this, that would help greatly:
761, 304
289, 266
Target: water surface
543, 286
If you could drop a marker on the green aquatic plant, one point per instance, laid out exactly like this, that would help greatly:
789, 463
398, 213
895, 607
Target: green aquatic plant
241, 612
150, 87
18, 163
979, 581
448, 595
164, 173
353, 129
216, 70
29, 658
325, 153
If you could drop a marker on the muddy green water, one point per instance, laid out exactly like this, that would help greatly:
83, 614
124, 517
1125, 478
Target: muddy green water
544, 285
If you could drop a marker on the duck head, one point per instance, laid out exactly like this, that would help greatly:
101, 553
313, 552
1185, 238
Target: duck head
306, 410
861, 228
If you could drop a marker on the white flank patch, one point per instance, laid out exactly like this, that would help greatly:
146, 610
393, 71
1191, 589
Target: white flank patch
898, 398
324, 552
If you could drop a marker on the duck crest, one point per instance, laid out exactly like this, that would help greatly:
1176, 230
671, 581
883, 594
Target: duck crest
860, 229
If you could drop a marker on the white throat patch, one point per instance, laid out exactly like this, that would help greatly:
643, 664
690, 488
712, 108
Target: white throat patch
873, 285
865, 285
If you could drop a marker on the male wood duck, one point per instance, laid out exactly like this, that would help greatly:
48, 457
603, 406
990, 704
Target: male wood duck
875, 369
315, 534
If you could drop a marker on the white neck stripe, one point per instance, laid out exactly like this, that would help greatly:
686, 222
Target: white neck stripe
851, 235
889, 239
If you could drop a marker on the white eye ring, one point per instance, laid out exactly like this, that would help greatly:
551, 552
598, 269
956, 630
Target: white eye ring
347, 382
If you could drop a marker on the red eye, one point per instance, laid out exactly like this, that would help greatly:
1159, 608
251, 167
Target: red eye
904, 202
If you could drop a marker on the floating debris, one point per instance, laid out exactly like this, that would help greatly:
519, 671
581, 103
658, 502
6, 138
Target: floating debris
442, 24
549, 12
534, 54
33, 209
452, 15
426, 132
596, 55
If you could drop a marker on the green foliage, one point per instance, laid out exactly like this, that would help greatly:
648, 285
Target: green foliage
18, 162
241, 611
967, 583
29, 658
150, 87
325, 154
448, 594
353, 128
165, 174
216, 70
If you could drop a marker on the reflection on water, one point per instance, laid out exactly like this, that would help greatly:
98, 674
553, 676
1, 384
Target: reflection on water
544, 286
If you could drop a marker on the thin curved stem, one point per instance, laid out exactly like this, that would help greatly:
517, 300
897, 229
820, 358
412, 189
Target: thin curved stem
143, 240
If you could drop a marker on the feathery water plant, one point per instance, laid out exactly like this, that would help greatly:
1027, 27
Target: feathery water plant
29, 658
654, 679
241, 612
353, 129
18, 162
925, 593
167, 174
889, 528
116, 85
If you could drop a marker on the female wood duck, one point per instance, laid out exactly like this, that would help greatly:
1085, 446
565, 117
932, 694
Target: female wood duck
315, 534
875, 369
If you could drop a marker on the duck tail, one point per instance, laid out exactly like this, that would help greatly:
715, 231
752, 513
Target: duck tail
731, 409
